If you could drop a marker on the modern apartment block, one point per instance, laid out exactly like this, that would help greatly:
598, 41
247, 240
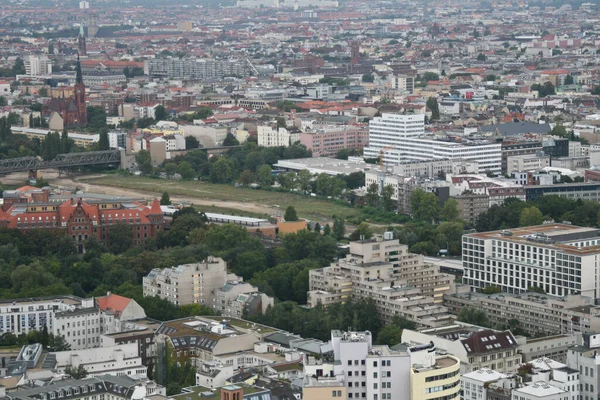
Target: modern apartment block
558, 258
206, 283
197, 68
537, 314
326, 141
382, 269
187, 283
380, 372
400, 138
474, 346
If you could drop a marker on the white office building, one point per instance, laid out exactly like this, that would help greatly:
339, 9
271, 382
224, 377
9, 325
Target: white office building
120, 360
381, 373
558, 258
269, 136
38, 65
401, 138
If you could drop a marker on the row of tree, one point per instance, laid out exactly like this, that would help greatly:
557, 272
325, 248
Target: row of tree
514, 213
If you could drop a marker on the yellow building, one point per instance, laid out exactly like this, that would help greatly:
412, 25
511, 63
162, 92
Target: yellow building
442, 380
324, 389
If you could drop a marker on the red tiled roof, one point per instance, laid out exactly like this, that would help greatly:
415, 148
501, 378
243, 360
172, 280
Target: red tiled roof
113, 302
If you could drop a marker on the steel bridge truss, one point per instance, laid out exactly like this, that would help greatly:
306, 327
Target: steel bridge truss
61, 161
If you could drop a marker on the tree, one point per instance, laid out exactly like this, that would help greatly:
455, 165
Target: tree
57, 343
392, 334
143, 160
221, 171
160, 113
327, 230
246, 177
363, 232
76, 373
304, 178
65, 142
389, 204
547, 89
430, 76
559, 130
186, 171
170, 169
230, 140
531, 216
191, 143
425, 205
96, 117
264, 175
120, 238
481, 57
492, 289
103, 143
569, 80
339, 229
433, 106
368, 78
290, 214
165, 199
473, 316
372, 196
317, 227
450, 210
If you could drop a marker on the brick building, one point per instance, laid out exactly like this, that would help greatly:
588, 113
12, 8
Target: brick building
29, 208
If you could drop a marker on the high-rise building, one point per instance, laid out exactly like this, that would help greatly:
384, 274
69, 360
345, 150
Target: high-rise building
38, 65
401, 137
557, 258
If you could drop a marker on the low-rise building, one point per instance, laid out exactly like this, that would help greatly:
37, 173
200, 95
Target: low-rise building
535, 313
236, 298
106, 386
187, 283
474, 346
326, 141
120, 360
270, 136
383, 269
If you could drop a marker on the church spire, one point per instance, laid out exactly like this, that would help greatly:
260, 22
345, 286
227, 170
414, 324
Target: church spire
79, 75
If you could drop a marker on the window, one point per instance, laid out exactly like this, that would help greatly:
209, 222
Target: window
375, 386
349, 362
374, 374
374, 363
349, 373
333, 393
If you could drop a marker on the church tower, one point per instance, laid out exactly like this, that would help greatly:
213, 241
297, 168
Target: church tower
81, 41
80, 96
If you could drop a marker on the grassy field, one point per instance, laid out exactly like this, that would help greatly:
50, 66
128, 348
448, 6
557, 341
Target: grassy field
306, 207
